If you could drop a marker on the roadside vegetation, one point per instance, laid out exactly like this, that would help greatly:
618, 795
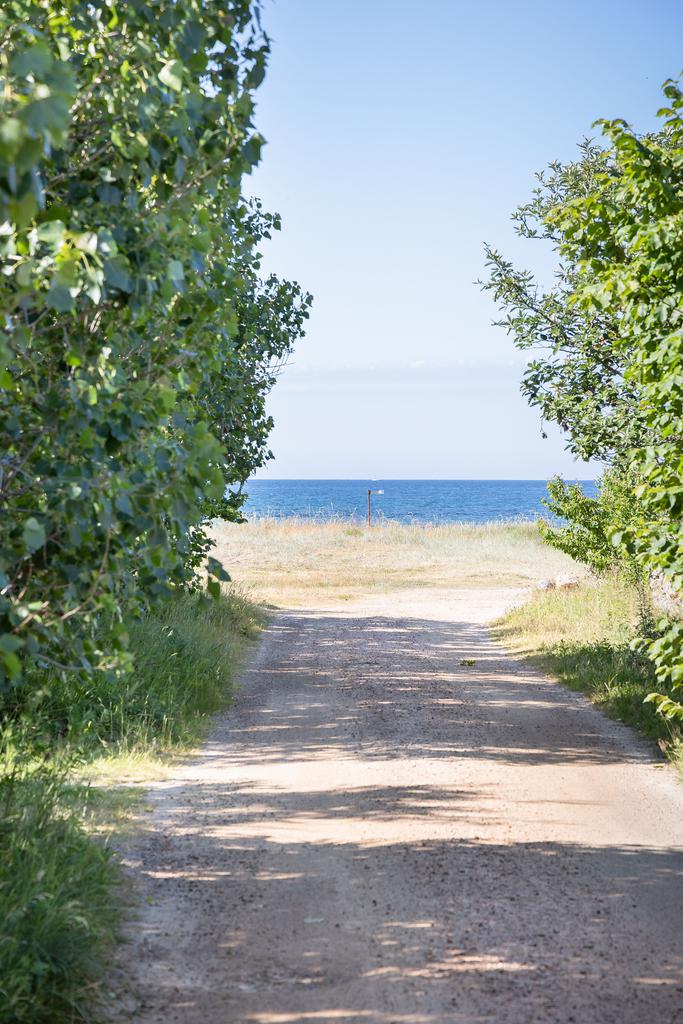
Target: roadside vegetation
138, 343
58, 906
65, 751
606, 344
584, 638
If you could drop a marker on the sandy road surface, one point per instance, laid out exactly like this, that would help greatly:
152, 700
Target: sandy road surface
377, 833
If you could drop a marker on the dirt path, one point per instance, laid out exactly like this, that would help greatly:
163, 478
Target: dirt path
378, 833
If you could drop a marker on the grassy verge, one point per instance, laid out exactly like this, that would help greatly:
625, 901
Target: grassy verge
59, 895
58, 904
582, 638
185, 661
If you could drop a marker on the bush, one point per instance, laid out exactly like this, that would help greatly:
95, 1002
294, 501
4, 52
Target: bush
586, 534
138, 340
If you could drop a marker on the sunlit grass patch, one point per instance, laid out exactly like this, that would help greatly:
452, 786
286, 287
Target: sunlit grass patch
583, 638
186, 654
296, 562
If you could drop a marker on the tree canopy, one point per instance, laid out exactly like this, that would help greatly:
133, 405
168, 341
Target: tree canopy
612, 327
139, 339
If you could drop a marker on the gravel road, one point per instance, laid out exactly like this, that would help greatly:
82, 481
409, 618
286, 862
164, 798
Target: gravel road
377, 833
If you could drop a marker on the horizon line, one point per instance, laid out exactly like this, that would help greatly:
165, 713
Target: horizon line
422, 479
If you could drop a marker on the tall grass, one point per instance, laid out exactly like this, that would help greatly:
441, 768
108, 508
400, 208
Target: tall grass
58, 909
185, 657
59, 893
583, 638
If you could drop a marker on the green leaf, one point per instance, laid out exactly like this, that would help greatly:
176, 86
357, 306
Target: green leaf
23, 209
9, 643
167, 398
116, 274
215, 568
194, 35
36, 60
59, 297
172, 75
51, 233
33, 535
11, 137
122, 503
176, 274
11, 664
49, 115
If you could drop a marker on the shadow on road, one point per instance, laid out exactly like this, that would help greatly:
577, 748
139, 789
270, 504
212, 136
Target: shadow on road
404, 680
404, 890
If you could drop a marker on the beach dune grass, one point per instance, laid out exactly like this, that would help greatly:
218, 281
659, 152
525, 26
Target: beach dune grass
294, 562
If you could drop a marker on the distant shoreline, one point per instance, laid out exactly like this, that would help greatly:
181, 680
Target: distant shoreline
378, 519
404, 501
415, 480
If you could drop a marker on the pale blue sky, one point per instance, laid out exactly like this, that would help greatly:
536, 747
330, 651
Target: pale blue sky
400, 138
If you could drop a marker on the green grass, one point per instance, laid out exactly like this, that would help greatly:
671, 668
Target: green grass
582, 638
60, 896
185, 659
58, 904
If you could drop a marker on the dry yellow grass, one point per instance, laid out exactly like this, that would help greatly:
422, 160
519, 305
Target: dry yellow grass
599, 610
295, 562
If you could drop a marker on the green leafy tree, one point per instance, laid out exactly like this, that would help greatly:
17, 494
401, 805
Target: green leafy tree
588, 528
627, 241
612, 327
138, 341
577, 375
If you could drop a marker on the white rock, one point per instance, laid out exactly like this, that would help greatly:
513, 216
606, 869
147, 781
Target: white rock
567, 581
665, 597
546, 585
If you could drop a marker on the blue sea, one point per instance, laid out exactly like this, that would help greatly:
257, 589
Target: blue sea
422, 501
